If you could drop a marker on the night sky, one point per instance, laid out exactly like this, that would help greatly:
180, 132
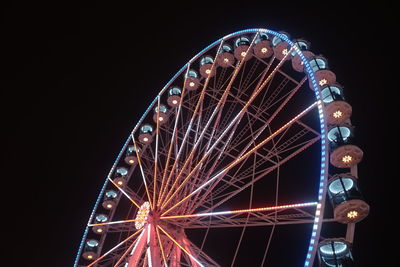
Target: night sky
77, 80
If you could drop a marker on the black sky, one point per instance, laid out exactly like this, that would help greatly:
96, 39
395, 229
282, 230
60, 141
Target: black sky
77, 79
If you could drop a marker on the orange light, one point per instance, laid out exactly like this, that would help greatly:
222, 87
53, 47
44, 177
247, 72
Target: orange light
352, 214
289, 206
337, 114
347, 159
264, 50
323, 82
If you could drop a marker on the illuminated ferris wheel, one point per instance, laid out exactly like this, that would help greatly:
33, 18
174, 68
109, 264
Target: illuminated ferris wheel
252, 133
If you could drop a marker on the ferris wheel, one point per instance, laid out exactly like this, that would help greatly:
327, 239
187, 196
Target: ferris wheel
251, 139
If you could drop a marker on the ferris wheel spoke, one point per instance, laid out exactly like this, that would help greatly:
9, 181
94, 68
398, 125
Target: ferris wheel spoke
180, 246
142, 172
156, 151
114, 248
161, 246
282, 216
124, 193
218, 213
243, 157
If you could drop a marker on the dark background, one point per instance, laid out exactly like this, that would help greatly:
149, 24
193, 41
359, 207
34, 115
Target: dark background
77, 79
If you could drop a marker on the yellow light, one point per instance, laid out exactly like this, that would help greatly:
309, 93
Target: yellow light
208, 71
352, 214
191, 84
243, 54
226, 60
120, 182
90, 257
142, 215
337, 114
145, 139
347, 159
264, 50
284, 51
109, 206
99, 230
131, 161
323, 82
174, 101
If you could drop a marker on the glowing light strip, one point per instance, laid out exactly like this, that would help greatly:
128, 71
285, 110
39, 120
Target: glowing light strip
182, 248
123, 192
117, 246
141, 170
234, 163
289, 206
161, 247
111, 223
156, 153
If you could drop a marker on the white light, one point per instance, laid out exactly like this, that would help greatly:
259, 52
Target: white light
208, 71
226, 60
264, 50
243, 54
174, 102
160, 118
145, 139
191, 84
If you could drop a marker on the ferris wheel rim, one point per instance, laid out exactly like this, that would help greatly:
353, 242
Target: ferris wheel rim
323, 124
